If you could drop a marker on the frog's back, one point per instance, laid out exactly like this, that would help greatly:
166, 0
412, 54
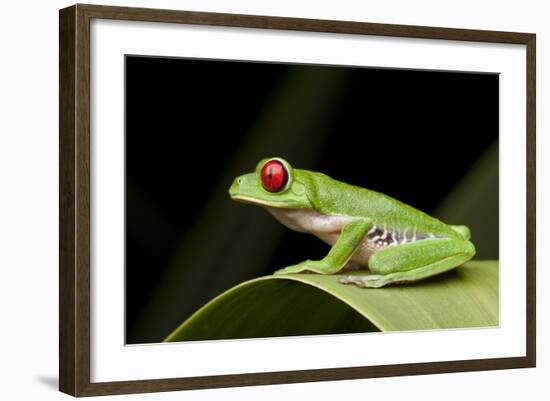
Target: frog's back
335, 197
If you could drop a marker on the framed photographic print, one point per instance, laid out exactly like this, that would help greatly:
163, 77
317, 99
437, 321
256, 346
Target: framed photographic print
307, 198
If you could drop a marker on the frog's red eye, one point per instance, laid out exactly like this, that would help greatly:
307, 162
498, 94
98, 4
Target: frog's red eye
274, 176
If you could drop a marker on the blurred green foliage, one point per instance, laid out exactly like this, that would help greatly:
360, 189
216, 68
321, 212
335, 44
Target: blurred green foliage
474, 202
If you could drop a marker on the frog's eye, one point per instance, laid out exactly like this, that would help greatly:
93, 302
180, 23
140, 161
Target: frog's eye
274, 176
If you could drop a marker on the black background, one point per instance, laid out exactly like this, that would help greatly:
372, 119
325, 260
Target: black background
193, 125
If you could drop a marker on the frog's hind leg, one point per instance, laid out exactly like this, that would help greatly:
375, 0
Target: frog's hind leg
412, 262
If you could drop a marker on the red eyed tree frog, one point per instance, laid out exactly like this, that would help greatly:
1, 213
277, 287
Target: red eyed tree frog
365, 229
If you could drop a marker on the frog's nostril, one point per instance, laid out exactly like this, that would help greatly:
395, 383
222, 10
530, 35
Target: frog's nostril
238, 181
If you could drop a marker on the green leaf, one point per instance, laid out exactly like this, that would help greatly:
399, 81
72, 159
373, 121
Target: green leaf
311, 304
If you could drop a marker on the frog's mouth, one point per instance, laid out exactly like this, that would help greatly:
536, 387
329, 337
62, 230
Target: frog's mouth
259, 202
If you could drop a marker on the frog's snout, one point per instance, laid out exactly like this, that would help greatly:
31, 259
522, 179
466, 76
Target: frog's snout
234, 189
244, 187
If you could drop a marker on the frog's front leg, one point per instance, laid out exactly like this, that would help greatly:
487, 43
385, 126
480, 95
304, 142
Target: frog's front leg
412, 262
350, 238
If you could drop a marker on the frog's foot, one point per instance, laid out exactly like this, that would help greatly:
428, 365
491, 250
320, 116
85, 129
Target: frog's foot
291, 270
308, 266
364, 281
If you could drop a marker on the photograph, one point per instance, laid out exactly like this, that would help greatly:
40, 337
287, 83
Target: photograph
271, 199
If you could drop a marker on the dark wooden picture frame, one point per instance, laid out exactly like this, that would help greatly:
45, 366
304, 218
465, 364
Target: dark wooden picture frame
74, 175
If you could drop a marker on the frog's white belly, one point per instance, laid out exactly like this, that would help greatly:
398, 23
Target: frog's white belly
328, 229
310, 221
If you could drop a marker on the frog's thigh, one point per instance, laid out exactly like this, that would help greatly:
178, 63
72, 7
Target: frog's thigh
419, 254
416, 261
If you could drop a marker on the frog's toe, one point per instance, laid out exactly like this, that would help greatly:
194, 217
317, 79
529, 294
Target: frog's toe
290, 270
370, 281
304, 267
350, 280
280, 271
